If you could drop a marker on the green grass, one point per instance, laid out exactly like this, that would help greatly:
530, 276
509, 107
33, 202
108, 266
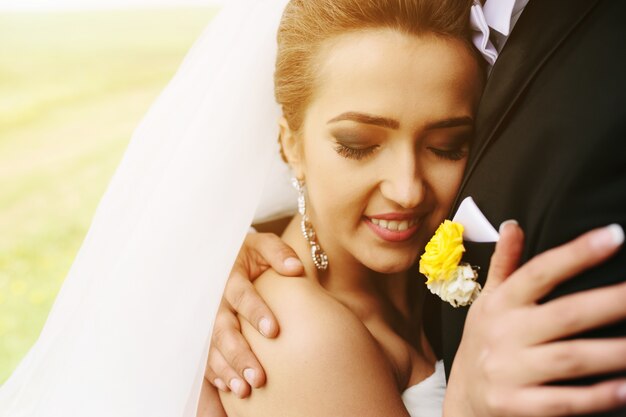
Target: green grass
73, 86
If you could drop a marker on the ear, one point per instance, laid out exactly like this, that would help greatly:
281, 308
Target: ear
291, 148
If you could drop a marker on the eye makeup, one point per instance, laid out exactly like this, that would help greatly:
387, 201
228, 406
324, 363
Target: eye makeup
354, 153
450, 145
355, 142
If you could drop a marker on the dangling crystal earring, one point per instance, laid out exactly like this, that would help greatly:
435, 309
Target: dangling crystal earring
319, 256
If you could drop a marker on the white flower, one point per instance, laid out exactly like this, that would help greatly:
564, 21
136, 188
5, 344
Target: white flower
460, 289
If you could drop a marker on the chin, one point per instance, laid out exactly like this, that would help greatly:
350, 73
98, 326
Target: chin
393, 265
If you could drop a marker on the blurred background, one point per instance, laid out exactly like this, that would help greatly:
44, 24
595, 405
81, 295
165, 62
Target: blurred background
76, 76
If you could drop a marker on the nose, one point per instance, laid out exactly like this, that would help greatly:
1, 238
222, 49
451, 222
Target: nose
403, 182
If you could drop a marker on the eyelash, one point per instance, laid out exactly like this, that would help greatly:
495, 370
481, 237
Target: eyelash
449, 155
354, 153
358, 154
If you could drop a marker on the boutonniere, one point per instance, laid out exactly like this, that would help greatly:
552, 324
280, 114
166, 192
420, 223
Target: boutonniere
449, 278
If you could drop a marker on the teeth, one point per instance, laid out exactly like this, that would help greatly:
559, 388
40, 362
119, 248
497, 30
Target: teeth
394, 225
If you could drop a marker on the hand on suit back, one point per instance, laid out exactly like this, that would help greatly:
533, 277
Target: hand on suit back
512, 346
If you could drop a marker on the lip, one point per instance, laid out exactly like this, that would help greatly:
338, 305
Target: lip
390, 235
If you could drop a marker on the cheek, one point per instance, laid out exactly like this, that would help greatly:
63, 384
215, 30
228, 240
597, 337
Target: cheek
337, 188
444, 179
325, 176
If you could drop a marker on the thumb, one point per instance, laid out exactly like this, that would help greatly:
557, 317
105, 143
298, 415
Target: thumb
507, 254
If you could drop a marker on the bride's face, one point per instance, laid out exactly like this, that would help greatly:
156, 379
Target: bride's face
384, 143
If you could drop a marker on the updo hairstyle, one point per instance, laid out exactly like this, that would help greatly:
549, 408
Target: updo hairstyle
307, 24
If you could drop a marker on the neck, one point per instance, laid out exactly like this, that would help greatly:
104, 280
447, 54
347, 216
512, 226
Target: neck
347, 279
381, 301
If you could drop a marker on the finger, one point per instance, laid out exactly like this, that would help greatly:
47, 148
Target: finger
234, 382
567, 401
244, 299
572, 314
271, 250
210, 404
211, 376
507, 254
544, 272
571, 359
234, 349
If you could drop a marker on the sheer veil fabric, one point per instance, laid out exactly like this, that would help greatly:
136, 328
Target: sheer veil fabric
129, 331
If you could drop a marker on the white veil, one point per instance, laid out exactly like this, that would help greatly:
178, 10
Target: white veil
129, 331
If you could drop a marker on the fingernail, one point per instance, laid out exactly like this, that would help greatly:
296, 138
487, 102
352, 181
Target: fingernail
249, 375
220, 384
617, 233
292, 263
608, 237
265, 326
236, 385
505, 223
621, 393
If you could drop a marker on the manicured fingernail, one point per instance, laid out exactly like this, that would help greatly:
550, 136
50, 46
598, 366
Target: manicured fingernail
505, 223
249, 375
617, 233
292, 263
236, 385
621, 393
220, 384
265, 326
608, 237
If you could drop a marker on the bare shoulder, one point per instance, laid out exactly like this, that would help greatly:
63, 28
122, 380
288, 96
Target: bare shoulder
324, 362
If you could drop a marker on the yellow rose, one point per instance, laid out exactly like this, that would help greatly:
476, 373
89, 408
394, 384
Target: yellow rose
443, 253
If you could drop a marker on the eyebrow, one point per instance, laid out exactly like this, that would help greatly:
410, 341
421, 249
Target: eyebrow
367, 119
452, 122
394, 124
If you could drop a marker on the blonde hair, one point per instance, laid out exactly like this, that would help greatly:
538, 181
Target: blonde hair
307, 24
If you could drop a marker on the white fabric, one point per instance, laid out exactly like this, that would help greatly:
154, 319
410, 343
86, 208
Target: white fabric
502, 15
498, 14
280, 198
480, 35
426, 398
494, 21
129, 331
476, 227
518, 8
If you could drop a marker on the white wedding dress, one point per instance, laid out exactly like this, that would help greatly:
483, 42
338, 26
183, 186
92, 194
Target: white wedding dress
425, 399
129, 331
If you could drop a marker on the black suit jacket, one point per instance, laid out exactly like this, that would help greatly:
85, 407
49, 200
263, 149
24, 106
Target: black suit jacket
550, 146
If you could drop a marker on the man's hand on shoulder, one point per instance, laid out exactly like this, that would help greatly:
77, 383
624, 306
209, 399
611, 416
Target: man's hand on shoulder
231, 364
324, 352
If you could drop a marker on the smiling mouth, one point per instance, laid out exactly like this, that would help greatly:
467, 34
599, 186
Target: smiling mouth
394, 225
394, 230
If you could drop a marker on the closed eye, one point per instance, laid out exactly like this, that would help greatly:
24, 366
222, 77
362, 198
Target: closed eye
354, 153
450, 155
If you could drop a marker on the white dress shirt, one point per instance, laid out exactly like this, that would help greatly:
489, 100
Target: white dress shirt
501, 16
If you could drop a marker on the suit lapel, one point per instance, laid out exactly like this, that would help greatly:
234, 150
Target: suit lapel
541, 29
